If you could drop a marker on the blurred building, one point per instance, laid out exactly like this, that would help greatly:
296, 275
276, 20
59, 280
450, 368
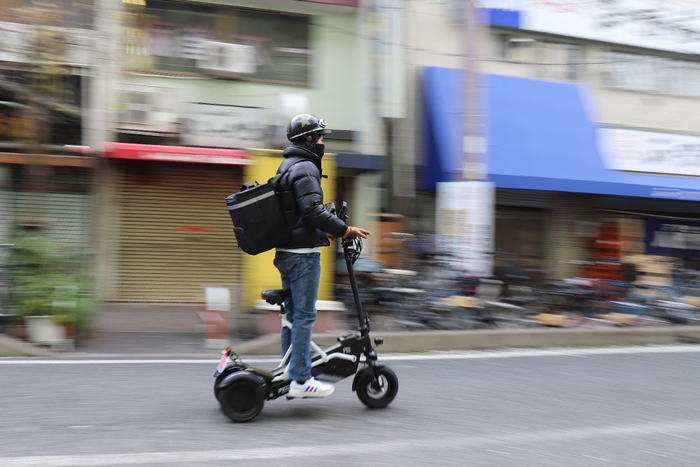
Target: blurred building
202, 98
590, 120
125, 123
45, 174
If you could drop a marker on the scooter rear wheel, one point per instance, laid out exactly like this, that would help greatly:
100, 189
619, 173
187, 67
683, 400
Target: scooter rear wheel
377, 393
243, 399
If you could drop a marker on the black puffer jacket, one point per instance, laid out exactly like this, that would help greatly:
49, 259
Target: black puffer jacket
301, 197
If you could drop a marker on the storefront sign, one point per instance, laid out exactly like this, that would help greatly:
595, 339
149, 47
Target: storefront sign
652, 152
26, 43
652, 24
669, 238
151, 152
464, 225
350, 3
224, 126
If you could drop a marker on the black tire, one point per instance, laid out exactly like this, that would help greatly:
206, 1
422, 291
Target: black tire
377, 394
243, 399
222, 376
217, 391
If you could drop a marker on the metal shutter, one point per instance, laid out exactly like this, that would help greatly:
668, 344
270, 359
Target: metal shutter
72, 224
524, 198
175, 234
6, 213
66, 215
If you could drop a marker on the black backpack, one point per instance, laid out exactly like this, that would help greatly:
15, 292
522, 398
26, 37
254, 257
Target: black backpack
258, 220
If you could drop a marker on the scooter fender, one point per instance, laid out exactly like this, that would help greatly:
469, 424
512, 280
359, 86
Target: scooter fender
238, 376
357, 377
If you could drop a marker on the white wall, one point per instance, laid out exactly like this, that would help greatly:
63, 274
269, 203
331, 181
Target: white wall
610, 106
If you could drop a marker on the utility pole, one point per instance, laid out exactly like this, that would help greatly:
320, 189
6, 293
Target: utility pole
474, 140
99, 126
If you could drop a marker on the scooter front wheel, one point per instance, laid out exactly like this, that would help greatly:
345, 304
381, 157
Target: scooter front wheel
377, 387
243, 398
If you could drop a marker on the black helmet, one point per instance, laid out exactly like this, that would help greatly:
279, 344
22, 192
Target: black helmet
305, 124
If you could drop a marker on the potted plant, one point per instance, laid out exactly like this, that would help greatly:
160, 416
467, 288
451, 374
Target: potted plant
48, 289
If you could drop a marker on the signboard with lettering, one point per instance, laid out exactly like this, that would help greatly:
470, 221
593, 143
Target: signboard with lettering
652, 24
224, 126
672, 238
159, 153
651, 152
26, 43
464, 223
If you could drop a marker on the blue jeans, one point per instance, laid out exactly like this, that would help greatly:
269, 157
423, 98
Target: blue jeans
301, 273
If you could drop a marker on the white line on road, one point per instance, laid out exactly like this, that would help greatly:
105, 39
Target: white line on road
674, 434
498, 452
653, 453
298, 453
457, 355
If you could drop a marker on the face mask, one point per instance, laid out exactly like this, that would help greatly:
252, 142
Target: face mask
319, 149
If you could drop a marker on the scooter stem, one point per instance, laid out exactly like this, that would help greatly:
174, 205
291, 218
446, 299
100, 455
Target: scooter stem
362, 319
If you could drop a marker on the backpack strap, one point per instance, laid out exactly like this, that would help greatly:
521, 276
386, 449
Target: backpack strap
284, 168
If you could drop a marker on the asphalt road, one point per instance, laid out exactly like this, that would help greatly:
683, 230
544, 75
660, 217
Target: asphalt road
588, 407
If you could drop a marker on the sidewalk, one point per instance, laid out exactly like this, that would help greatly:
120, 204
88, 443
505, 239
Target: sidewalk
133, 331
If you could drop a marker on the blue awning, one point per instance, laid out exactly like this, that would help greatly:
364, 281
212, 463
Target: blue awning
541, 136
443, 103
356, 160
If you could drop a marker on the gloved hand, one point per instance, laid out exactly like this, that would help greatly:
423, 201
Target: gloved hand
352, 231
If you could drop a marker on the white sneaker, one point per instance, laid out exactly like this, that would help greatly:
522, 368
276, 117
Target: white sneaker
311, 388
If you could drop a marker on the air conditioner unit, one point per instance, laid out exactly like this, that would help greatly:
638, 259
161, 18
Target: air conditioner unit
135, 107
147, 109
227, 58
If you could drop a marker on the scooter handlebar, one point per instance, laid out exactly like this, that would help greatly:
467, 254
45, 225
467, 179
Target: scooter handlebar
343, 212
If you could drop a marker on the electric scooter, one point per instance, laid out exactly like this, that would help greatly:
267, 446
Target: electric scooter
242, 390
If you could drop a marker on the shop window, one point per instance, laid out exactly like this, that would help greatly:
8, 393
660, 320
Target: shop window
516, 48
690, 73
50, 179
42, 107
218, 40
519, 232
651, 74
559, 61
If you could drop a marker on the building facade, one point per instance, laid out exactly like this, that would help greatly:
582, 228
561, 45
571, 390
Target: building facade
200, 105
588, 118
46, 174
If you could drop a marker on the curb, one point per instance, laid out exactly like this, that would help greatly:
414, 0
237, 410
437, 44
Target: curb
426, 341
11, 347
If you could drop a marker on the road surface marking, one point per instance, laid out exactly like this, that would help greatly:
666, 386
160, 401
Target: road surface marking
403, 446
653, 452
673, 434
456, 355
498, 452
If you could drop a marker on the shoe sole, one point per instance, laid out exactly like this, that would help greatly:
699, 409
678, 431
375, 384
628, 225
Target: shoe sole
309, 396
